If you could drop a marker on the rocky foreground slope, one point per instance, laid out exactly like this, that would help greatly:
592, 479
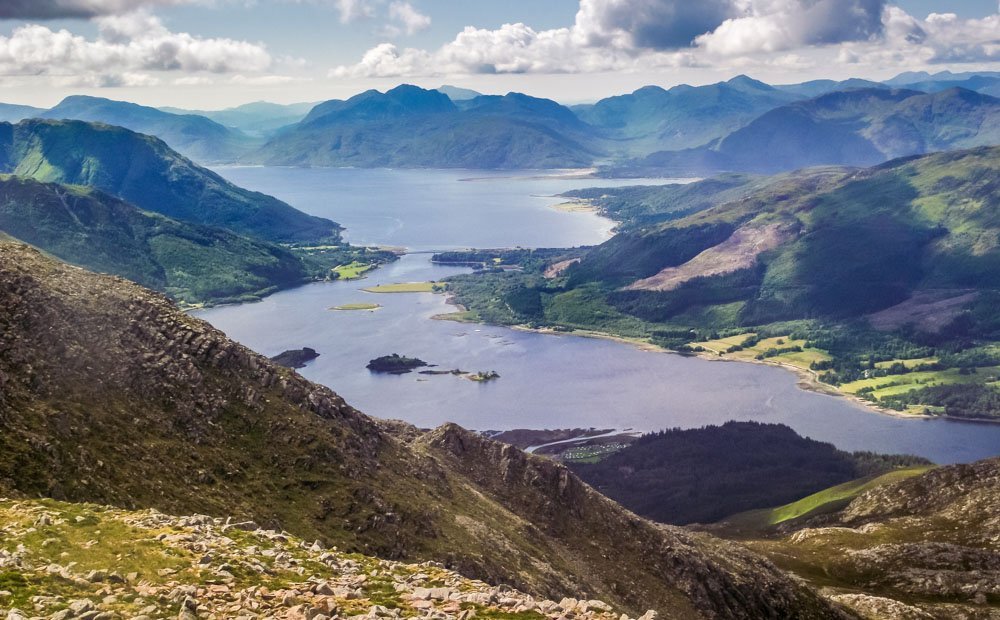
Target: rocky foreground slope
109, 394
63, 561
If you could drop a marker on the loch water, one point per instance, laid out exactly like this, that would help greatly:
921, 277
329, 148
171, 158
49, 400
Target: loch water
546, 381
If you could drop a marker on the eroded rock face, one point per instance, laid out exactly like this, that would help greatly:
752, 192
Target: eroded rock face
112, 395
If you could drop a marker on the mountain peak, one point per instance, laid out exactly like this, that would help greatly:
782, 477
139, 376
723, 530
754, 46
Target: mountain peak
745, 81
371, 105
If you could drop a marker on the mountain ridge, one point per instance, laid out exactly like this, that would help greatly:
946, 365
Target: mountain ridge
195, 136
129, 360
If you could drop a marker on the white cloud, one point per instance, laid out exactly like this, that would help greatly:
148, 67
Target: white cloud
776, 25
353, 10
126, 48
412, 20
642, 35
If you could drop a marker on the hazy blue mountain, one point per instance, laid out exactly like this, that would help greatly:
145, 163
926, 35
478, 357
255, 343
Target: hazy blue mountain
12, 113
413, 127
815, 88
652, 118
456, 93
857, 128
194, 136
373, 105
980, 83
912, 77
259, 118
144, 171
526, 108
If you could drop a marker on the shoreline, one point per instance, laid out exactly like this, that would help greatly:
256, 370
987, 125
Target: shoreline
807, 379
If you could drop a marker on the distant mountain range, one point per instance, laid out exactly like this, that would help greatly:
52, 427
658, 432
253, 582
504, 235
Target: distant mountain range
855, 128
10, 113
684, 116
690, 129
412, 127
258, 119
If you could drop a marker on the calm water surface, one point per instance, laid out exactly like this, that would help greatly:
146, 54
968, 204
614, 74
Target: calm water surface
546, 381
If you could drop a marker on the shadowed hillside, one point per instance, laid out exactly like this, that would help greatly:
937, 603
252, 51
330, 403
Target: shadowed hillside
110, 394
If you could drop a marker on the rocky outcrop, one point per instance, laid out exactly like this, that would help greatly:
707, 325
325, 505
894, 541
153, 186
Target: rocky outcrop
295, 358
112, 395
924, 547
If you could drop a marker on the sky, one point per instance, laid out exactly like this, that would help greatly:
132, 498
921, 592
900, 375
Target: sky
212, 54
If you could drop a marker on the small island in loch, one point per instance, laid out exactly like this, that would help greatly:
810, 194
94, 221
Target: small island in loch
395, 364
358, 306
295, 358
483, 377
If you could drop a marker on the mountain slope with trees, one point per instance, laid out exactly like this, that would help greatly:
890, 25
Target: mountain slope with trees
702, 475
191, 263
146, 172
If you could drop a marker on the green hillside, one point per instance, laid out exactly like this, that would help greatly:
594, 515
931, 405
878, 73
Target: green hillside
191, 263
844, 274
146, 172
912, 545
822, 502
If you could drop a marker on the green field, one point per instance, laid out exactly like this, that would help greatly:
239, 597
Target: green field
900, 384
357, 307
353, 270
909, 364
823, 501
408, 287
722, 344
801, 359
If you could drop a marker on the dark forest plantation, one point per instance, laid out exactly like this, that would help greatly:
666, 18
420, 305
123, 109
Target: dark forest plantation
320, 310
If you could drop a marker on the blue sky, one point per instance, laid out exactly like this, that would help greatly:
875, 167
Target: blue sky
216, 53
